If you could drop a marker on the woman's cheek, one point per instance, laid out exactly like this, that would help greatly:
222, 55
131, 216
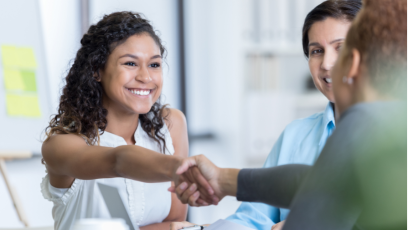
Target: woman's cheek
313, 67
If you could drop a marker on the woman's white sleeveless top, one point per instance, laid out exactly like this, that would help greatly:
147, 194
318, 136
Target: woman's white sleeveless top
148, 203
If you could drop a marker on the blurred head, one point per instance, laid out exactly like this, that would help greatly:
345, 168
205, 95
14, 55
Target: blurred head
373, 62
324, 31
117, 69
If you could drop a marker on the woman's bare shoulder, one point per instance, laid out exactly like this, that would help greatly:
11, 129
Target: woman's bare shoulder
174, 118
177, 125
59, 142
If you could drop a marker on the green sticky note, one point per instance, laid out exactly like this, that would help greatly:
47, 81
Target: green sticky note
13, 79
28, 78
31, 106
26, 58
9, 56
14, 104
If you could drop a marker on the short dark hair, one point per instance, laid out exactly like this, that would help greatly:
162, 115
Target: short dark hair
338, 9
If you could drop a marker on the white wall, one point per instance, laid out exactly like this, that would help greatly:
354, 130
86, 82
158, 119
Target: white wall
163, 16
214, 53
61, 32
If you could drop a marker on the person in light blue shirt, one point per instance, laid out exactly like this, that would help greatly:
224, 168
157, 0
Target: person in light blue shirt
301, 142
324, 31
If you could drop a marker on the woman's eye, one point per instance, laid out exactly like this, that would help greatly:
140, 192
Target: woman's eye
130, 63
317, 51
155, 65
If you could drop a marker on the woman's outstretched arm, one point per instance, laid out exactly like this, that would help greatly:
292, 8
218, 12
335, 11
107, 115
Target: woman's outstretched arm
67, 157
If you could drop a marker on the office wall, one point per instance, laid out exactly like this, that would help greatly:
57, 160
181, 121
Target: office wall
61, 23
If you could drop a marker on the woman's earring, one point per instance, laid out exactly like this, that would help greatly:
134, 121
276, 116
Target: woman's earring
347, 80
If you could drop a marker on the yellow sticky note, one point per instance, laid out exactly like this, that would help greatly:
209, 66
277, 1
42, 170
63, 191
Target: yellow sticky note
13, 79
31, 106
26, 58
14, 104
9, 56
22, 105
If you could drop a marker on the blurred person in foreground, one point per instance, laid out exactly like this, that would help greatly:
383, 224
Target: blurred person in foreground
360, 179
324, 31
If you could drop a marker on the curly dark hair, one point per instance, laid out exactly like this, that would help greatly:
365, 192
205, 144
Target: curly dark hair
81, 111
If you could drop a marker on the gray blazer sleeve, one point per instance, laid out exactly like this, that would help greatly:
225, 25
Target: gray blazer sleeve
275, 186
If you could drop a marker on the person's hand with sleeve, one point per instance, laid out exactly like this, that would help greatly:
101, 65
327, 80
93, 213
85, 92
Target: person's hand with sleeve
222, 180
194, 184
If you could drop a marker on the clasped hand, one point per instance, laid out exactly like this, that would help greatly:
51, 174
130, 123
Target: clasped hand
197, 182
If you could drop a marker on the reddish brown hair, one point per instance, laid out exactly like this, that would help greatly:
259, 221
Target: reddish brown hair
379, 33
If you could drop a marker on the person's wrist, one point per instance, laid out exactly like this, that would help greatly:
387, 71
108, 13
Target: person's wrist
176, 162
227, 181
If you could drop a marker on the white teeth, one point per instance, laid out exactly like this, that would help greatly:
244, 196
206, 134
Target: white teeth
141, 92
329, 80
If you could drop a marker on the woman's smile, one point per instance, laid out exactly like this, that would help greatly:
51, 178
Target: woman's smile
327, 81
141, 92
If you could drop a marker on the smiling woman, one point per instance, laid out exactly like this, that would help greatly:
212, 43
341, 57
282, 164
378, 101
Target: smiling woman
111, 128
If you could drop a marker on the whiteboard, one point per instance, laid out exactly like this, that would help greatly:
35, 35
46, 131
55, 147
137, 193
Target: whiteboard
21, 26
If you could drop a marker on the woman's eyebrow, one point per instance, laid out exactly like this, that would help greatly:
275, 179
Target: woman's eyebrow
129, 55
318, 44
313, 44
156, 56
136, 57
337, 40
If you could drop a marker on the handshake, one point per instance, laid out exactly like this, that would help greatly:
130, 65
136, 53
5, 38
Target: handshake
198, 182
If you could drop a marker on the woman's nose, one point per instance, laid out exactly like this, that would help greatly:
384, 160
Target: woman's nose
328, 60
143, 75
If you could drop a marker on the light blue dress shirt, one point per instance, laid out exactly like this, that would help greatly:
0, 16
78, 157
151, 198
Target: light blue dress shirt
300, 143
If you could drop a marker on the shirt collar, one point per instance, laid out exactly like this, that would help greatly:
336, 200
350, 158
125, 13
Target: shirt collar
328, 115
328, 123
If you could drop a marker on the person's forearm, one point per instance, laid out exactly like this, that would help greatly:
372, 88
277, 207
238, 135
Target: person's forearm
227, 181
144, 165
275, 186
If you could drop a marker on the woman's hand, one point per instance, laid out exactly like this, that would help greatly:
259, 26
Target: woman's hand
278, 226
194, 186
223, 181
180, 225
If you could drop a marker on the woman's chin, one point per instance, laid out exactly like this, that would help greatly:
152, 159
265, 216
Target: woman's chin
142, 111
329, 96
